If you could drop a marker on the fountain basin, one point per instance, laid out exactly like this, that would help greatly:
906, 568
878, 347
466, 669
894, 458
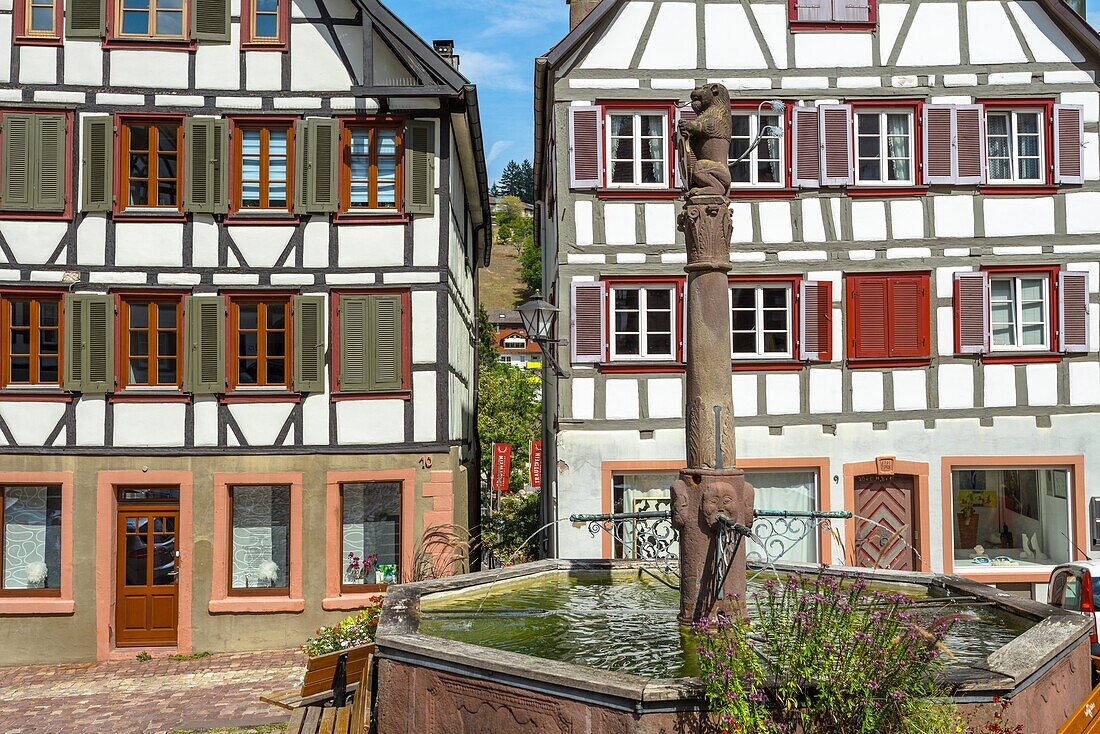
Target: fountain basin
485, 653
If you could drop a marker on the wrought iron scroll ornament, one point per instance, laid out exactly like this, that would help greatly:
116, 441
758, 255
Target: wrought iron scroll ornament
650, 536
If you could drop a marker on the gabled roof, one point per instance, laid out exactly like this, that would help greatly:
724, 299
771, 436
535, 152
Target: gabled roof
1067, 19
437, 77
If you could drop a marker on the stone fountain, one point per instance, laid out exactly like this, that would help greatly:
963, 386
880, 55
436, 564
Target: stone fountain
594, 647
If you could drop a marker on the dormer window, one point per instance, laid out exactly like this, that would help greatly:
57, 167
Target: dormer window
843, 13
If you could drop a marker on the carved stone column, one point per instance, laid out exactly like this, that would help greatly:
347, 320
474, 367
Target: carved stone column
707, 488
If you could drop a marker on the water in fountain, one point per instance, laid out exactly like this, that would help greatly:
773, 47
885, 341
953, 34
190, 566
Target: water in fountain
627, 623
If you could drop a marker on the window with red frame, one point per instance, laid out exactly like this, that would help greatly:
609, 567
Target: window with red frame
637, 148
764, 165
761, 320
888, 316
152, 337
38, 21
260, 342
1016, 145
1022, 311
152, 170
643, 321
31, 340
838, 12
264, 24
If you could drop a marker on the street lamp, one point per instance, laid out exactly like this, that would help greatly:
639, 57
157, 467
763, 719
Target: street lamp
538, 317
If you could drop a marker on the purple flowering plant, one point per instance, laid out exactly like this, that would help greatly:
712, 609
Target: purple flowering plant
825, 655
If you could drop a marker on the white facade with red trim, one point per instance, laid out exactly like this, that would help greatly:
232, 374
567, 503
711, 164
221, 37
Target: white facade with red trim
922, 241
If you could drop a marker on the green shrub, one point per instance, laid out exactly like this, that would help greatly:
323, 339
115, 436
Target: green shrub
829, 656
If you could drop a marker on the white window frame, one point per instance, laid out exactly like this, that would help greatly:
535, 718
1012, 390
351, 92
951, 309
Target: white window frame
754, 157
883, 146
513, 339
759, 311
1013, 145
643, 319
637, 149
1017, 315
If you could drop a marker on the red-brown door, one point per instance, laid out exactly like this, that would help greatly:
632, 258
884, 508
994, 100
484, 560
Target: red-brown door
884, 522
147, 604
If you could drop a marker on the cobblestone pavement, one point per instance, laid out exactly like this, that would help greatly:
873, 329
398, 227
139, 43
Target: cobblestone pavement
132, 697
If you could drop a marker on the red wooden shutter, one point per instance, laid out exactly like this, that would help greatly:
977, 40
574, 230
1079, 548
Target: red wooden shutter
851, 11
687, 160
868, 305
836, 144
908, 315
1069, 144
969, 143
1073, 311
972, 313
813, 11
815, 320
939, 144
587, 322
585, 148
806, 169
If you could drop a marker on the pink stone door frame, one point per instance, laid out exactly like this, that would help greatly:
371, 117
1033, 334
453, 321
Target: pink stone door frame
106, 548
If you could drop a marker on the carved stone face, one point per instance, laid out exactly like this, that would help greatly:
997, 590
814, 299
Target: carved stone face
719, 498
703, 97
681, 503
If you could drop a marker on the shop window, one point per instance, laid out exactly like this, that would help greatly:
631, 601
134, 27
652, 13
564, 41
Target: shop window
1010, 517
30, 539
259, 539
371, 535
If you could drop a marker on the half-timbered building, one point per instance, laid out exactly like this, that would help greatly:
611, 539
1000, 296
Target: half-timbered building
914, 294
239, 245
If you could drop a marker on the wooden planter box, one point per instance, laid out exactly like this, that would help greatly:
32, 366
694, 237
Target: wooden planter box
321, 670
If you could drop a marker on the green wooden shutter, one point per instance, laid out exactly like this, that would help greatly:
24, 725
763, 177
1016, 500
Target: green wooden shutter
301, 167
384, 343
322, 162
353, 344
89, 343
74, 343
17, 190
420, 167
99, 355
86, 18
219, 172
205, 325
210, 20
97, 164
50, 157
309, 343
198, 166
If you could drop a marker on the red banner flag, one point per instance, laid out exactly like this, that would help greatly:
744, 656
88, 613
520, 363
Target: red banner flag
502, 466
536, 465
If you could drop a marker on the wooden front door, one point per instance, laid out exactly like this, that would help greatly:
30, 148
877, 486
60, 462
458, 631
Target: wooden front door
885, 513
147, 573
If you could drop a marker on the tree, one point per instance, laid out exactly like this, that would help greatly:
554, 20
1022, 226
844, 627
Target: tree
517, 231
530, 265
509, 411
517, 179
487, 353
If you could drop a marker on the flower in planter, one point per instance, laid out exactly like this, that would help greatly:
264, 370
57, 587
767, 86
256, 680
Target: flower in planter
353, 631
359, 569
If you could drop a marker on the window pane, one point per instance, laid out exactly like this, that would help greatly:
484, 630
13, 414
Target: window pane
360, 141
786, 491
652, 126
276, 315
47, 313
1019, 514
653, 173
135, 22
744, 320
775, 342
659, 344
47, 369
20, 342
627, 344
743, 297
250, 141
371, 533
744, 343
267, 26
659, 299
276, 195
276, 371
166, 371
166, 344
166, 315
261, 536
1029, 168
868, 124
775, 297
626, 298
139, 192
169, 23
622, 172
32, 537
360, 168
622, 124
1027, 123
139, 371
248, 372
20, 369
139, 343
248, 344
247, 315
267, 6
42, 19
387, 194
277, 142
360, 194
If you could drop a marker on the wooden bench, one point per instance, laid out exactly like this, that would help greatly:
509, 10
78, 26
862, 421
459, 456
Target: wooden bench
353, 719
328, 677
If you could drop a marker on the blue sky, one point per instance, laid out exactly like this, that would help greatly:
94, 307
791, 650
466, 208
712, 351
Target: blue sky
498, 41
